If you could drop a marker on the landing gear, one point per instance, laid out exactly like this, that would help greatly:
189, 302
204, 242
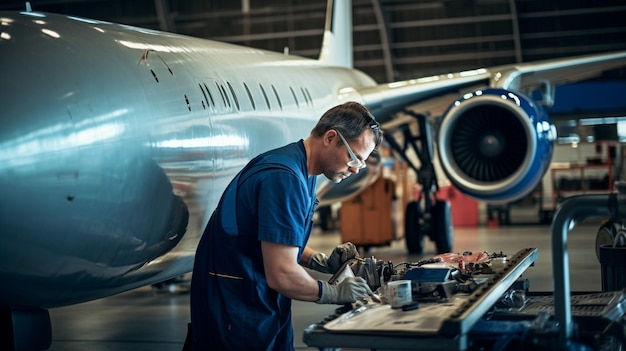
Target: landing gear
413, 224
437, 226
427, 215
326, 219
24, 329
441, 224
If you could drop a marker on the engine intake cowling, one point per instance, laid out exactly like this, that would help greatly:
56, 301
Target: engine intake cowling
495, 145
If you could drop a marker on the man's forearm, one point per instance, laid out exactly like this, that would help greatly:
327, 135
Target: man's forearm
306, 256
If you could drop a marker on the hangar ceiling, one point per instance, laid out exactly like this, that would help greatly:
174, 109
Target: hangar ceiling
393, 39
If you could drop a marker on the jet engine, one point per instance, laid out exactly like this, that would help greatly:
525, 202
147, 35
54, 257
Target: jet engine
495, 145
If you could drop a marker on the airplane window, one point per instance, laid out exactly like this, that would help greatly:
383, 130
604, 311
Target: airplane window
308, 93
232, 91
294, 96
267, 101
277, 97
224, 95
305, 97
205, 97
210, 96
250, 96
188, 104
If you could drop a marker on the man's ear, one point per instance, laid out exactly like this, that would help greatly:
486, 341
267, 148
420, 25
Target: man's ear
329, 137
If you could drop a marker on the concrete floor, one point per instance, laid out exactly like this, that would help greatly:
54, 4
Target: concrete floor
144, 320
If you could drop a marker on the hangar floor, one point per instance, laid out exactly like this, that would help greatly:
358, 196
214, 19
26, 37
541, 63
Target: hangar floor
145, 319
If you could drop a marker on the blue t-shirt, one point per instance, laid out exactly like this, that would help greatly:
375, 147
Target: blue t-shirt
232, 307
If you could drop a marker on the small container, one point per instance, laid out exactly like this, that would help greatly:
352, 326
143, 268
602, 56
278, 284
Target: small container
399, 293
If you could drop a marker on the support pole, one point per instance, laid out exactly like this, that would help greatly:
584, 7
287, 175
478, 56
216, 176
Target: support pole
573, 210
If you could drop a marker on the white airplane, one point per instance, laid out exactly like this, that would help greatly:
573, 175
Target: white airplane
117, 142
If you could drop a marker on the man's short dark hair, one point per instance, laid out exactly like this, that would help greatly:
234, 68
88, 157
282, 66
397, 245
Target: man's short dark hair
351, 119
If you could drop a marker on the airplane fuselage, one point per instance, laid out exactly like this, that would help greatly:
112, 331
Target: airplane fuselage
117, 143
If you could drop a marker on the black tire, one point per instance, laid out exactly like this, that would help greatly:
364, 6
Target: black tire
325, 218
441, 226
605, 235
413, 217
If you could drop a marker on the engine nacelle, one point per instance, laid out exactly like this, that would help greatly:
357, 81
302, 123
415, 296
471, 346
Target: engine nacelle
495, 145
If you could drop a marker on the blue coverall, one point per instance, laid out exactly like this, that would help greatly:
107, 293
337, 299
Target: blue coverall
232, 307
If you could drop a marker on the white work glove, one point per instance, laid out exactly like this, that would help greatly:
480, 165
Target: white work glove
341, 254
347, 291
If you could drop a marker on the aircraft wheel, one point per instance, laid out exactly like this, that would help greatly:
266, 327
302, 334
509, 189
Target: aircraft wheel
413, 218
442, 226
325, 218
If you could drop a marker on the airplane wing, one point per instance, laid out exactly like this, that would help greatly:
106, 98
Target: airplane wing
494, 141
526, 76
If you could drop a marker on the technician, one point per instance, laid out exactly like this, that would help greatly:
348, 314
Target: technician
250, 262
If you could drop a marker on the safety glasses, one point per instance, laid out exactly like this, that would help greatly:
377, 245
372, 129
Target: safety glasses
354, 162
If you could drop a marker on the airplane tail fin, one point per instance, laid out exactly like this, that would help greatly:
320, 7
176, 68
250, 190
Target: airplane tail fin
337, 42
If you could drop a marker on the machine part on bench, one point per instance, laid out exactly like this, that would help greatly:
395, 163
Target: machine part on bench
489, 308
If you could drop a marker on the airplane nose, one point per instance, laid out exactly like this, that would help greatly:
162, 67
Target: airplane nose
72, 156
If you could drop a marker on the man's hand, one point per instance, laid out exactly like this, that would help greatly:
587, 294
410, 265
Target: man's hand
341, 254
347, 291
